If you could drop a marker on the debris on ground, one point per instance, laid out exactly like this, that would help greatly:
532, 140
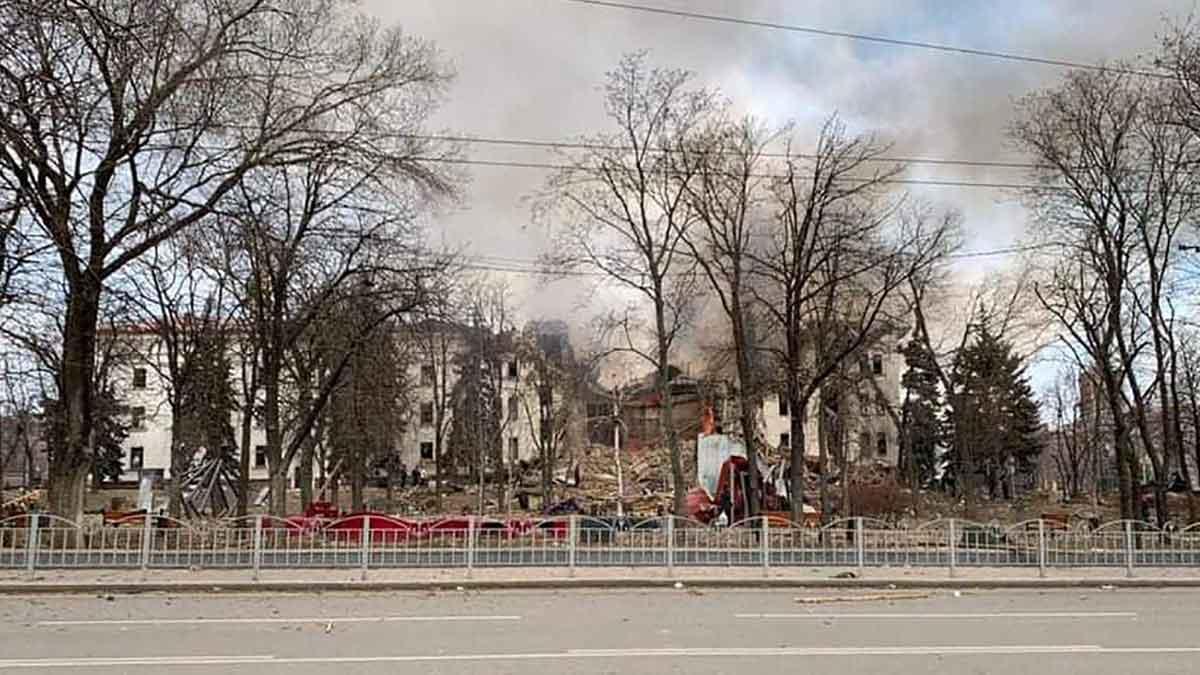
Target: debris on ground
879, 597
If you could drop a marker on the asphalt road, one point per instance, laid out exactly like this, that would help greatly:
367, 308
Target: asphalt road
1068, 632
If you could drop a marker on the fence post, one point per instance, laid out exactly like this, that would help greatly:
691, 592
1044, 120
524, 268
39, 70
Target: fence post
31, 542
470, 545
1129, 549
257, 561
858, 544
953, 549
766, 546
147, 534
365, 555
1041, 548
572, 542
670, 546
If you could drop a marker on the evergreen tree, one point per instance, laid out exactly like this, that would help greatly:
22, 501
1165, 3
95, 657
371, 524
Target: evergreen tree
109, 431
207, 398
996, 419
922, 413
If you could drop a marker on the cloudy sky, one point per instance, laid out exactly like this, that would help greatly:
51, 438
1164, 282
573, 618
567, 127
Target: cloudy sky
531, 69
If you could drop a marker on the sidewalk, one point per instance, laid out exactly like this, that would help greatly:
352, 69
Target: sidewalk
301, 581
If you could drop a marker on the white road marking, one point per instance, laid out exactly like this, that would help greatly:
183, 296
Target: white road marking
982, 650
275, 619
994, 615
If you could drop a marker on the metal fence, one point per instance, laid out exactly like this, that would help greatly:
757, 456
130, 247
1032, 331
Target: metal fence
373, 541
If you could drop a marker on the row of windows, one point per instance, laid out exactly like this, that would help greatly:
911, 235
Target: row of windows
429, 373
137, 454
881, 442
427, 410
137, 457
874, 404
514, 447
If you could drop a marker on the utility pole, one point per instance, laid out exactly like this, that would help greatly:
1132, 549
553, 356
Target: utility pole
479, 401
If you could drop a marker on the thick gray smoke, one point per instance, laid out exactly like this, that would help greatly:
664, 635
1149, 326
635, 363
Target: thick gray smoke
533, 69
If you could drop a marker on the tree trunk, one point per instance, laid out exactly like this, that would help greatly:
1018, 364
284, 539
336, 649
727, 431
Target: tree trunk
546, 433
823, 460
278, 474
356, 486
667, 419
308, 453
437, 464
247, 422
1176, 421
798, 407
1126, 461
748, 394
179, 462
69, 463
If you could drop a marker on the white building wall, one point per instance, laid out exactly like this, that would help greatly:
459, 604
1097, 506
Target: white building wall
153, 435
517, 425
869, 417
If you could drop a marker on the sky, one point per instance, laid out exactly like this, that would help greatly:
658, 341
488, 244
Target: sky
532, 69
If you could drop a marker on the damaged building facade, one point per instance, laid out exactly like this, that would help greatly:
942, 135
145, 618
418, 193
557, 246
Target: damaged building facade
437, 355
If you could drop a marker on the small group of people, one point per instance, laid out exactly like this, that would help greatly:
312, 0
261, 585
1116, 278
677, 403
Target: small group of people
415, 479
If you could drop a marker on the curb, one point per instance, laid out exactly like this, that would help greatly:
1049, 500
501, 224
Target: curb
636, 583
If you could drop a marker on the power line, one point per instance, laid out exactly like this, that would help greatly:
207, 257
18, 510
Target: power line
549, 166
582, 145
916, 44
534, 267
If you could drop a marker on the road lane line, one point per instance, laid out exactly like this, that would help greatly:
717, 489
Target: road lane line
274, 619
935, 615
584, 654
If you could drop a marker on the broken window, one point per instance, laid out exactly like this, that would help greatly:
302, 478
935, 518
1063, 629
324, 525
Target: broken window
427, 450
512, 370
785, 440
427, 414
877, 364
137, 417
137, 458
783, 404
881, 444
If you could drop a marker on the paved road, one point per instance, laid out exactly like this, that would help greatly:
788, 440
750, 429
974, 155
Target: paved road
1095, 632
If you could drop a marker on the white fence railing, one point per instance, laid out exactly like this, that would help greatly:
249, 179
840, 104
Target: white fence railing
373, 541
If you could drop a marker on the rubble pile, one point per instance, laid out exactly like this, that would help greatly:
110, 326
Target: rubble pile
646, 475
12, 505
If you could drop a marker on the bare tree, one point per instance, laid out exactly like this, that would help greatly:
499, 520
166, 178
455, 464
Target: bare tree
314, 239
1118, 189
831, 273
367, 404
1075, 441
626, 214
555, 381
125, 122
490, 382
183, 318
728, 194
